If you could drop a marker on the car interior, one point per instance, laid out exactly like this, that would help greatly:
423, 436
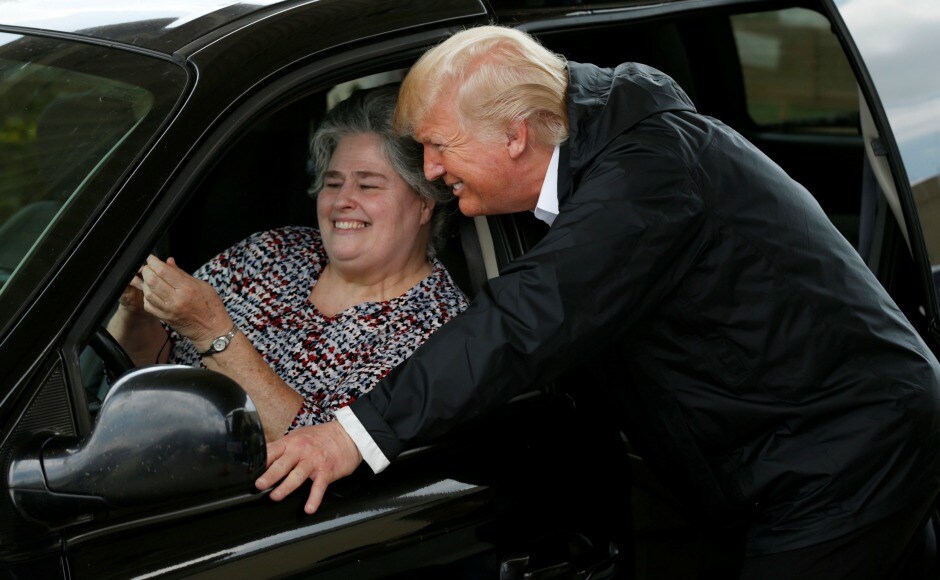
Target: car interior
264, 180
779, 77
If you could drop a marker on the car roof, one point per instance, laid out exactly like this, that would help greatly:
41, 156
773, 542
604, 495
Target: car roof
161, 25
169, 26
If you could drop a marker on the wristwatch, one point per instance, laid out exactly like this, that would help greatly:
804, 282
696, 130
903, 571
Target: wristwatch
221, 343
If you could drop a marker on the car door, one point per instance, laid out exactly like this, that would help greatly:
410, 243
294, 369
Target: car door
509, 492
902, 132
73, 125
821, 96
820, 87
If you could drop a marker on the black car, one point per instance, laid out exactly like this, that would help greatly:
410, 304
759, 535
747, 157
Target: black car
182, 127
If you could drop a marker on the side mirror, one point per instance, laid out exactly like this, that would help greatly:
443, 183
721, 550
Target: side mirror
163, 432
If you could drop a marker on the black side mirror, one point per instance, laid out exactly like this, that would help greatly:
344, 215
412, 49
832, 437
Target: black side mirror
163, 432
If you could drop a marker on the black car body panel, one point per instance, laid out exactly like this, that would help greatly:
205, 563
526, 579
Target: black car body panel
546, 485
183, 28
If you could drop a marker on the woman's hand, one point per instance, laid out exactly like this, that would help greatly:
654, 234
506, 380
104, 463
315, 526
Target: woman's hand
131, 302
136, 330
192, 307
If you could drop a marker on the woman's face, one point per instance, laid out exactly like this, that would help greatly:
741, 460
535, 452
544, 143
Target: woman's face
373, 224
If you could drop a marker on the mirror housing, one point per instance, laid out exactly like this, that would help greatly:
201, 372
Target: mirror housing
163, 432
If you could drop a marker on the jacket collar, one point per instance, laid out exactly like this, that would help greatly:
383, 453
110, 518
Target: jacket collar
604, 103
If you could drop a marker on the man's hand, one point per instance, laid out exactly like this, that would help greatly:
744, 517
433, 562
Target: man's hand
322, 453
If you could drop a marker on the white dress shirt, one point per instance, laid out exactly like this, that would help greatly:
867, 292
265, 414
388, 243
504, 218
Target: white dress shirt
546, 209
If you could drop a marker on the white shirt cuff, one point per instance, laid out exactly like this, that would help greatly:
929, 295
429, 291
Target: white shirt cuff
367, 447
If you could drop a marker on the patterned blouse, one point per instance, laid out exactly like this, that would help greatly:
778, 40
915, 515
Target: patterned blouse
265, 282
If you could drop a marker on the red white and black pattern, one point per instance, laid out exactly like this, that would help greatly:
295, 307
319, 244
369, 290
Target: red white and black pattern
265, 282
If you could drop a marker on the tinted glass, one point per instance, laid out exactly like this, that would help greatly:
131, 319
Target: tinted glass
72, 119
795, 72
58, 127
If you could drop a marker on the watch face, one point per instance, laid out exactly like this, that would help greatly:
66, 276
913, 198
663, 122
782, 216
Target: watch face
219, 344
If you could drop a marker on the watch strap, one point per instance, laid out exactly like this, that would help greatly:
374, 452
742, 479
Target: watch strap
220, 343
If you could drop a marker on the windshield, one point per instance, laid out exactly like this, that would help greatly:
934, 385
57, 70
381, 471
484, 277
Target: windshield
72, 119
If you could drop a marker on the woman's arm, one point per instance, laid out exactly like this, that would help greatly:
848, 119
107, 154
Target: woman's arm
276, 401
193, 308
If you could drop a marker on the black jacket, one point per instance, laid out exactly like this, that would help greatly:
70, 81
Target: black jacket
768, 368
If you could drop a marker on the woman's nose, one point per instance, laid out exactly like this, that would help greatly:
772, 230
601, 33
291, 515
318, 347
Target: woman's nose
345, 197
432, 163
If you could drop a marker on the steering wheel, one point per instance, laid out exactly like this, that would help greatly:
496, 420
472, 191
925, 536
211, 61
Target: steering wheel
115, 358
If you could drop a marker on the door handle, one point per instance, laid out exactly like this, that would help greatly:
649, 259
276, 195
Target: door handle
576, 558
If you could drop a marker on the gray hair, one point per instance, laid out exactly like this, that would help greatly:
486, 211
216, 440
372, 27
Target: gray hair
370, 111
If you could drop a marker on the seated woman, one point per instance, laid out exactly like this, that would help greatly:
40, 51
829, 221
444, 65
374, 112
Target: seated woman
312, 318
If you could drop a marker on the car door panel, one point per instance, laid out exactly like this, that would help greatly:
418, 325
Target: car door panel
466, 503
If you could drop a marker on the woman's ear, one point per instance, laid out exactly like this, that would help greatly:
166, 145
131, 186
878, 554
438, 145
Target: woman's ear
427, 210
517, 137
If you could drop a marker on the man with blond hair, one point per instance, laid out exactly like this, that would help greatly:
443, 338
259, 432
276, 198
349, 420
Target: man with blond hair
754, 354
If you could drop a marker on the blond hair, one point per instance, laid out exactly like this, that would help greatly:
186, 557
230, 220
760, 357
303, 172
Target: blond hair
501, 76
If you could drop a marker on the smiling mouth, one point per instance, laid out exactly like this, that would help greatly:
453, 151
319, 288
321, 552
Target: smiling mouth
456, 187
347, 225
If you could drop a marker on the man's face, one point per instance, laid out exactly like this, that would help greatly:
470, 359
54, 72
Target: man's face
482, 174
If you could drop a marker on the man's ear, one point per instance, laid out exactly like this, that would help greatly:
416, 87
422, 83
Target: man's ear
517, 138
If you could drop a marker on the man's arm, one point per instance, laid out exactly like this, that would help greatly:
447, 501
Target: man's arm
622, 243
370, 452
624, 240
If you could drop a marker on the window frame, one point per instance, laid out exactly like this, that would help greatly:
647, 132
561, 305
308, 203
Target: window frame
169, 89
846, 120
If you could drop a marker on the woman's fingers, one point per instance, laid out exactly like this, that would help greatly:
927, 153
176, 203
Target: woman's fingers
190, 305
132, 301
155, 282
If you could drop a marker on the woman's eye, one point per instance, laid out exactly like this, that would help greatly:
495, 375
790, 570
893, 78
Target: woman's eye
332, 185
367, 186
